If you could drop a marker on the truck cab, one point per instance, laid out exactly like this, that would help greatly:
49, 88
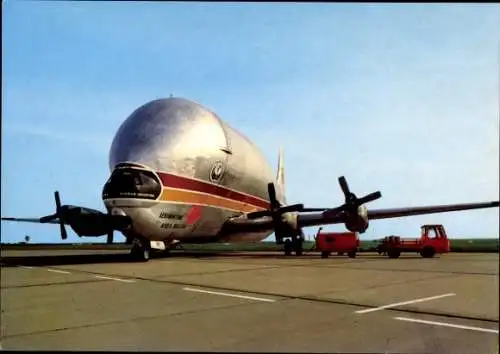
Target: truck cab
434, 240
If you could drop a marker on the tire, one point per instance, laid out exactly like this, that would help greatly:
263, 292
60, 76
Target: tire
325, 254
393, 254
139, 253
351, 254
428, 252
288, 248
297, 246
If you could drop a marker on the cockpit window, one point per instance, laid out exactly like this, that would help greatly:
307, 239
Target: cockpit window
132, 183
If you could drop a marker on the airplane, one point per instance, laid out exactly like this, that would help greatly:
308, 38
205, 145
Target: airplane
180, 174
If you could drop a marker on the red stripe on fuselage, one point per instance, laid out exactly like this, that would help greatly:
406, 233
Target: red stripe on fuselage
173, 181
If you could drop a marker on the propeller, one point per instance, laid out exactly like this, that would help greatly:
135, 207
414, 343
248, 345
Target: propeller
85, 221
61, 214
109, 240
276, 210
352, 203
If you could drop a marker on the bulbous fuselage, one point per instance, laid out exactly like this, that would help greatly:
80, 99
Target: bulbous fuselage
180, 172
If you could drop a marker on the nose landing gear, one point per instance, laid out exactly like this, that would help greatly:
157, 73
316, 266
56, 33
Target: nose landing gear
141, 250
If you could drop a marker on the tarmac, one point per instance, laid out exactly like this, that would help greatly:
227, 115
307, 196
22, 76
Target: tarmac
257, 302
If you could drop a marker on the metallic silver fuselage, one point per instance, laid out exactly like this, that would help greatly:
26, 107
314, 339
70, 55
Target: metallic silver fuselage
183, 138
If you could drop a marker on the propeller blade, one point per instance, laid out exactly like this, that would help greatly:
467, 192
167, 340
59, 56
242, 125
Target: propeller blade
59, 213
311, 210
109, 240
334, 211
344, 186
272, 194
293, 207
64, 235
58, 203
48, 218
259, 214
369, 198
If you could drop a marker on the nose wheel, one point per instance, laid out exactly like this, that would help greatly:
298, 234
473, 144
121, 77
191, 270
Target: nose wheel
140, 251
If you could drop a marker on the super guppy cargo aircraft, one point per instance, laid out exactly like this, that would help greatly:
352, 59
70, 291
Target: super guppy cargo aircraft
179, 174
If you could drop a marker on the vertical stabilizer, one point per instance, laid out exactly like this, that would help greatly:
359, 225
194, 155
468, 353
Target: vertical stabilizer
280, 175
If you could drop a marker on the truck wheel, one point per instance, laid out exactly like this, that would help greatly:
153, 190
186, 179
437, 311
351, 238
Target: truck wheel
351, 254
340, 253
428, 252
393, 253
325, 254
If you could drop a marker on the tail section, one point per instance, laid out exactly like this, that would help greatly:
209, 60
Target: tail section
280, 176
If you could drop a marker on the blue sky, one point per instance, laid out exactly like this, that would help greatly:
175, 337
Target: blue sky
401, 98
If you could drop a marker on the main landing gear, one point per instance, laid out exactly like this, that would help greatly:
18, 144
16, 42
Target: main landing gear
293, 245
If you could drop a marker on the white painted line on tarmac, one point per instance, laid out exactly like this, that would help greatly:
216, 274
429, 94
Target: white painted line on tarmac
230, 295
444, 324
58, 271
404, 303
117, 279
26, 267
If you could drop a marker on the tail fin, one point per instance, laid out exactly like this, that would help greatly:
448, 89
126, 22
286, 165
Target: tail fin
280, 175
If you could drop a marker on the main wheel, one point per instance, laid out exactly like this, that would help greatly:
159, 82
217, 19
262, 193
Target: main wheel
297, 246
288, 247
325, 254
351, 254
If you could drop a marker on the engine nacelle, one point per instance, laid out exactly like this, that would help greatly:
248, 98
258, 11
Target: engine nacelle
89, 222
287, 228
357, 222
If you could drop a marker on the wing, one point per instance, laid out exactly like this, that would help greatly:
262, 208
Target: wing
305, 220
352, 213
32, 220
243, 224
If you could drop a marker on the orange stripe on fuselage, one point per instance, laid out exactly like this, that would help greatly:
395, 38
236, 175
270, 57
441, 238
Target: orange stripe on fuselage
180, 182
190, 197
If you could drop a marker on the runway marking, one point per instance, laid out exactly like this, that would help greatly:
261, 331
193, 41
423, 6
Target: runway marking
26, 267
230, 295
117, 279
404, 303
58, 271
444, 324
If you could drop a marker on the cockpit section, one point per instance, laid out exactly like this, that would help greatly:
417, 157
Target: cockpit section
128, 181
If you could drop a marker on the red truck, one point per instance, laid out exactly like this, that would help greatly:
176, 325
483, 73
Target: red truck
433, 240
340, 242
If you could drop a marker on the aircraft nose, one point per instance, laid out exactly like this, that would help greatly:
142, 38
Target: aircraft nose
132, 183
